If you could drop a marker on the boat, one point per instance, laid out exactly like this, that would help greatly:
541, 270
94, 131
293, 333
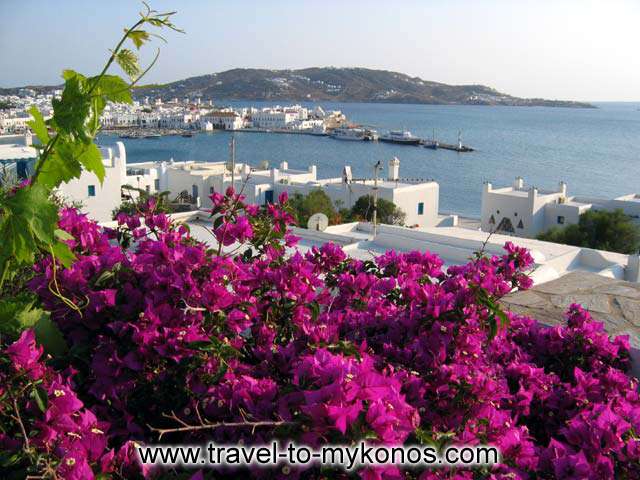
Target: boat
152, 135
400, 136
187, 135
433, 143
346, 133
371, 135
354, 133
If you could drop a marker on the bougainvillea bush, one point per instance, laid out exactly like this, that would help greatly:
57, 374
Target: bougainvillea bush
168, 337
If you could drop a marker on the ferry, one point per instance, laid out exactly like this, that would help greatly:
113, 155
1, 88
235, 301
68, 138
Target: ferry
400, 136
356, 133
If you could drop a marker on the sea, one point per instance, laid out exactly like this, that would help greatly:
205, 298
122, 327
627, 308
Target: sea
596, 151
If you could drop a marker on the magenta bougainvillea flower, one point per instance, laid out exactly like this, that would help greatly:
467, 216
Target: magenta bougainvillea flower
320, 348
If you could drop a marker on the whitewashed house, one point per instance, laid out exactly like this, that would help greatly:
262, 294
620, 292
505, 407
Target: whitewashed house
97, 200
273, 118
225, 119
526, 211
417, 198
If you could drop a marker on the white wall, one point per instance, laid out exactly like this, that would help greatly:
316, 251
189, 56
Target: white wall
107, 195
407, 199
524, 208
570, 212
515, 208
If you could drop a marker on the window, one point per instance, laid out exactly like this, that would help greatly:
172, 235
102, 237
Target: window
520, 225
498, 212
505, 225
91, 190
268, 196
560, 220
156, 184
194, 192
211, 190
515, 214
421, 208
147, 188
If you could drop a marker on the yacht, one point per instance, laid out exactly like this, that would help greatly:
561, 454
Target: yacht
400, 136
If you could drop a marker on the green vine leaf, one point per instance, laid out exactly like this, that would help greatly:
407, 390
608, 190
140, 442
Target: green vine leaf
28, 220
18, 314
70, 112
91, 159
49, 336
113, 88
128, 62
138, 37
63, 253
66, 161
38, 125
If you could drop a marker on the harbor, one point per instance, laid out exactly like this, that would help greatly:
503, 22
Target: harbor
351, 133
152, 119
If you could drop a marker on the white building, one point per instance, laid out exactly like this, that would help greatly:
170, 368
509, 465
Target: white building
274, 118
225, 119
17, 158
454, 245
97, 200
417, 198
527, 211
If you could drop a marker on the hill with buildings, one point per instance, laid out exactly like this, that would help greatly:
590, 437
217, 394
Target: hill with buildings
337, 84
327, 84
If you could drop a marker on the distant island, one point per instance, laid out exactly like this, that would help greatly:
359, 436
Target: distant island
339, 85
336, 84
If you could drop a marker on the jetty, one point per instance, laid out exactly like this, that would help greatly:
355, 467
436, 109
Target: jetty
446, 146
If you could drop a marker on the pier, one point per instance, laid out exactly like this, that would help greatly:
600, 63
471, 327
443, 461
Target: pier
144, 133
446, 146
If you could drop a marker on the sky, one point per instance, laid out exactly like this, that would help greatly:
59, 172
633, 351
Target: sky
558, 49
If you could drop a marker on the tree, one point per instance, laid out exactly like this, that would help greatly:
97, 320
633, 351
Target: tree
613, 231
137, 199
317, 201
388, 212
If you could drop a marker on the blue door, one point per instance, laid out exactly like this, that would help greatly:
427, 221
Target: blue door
268, 196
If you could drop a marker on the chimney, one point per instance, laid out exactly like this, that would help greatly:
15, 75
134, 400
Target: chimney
518, 183
347, 176
394, 169
313, 171
563, 188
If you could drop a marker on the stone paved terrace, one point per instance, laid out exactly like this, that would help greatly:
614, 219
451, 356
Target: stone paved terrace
614, 302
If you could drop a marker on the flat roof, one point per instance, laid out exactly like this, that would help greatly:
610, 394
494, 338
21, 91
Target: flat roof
16, 152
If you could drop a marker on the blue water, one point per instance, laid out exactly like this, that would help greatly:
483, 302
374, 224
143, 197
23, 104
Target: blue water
596, 151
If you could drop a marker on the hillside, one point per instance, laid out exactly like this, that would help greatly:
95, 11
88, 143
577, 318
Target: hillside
329, 84
337, 84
